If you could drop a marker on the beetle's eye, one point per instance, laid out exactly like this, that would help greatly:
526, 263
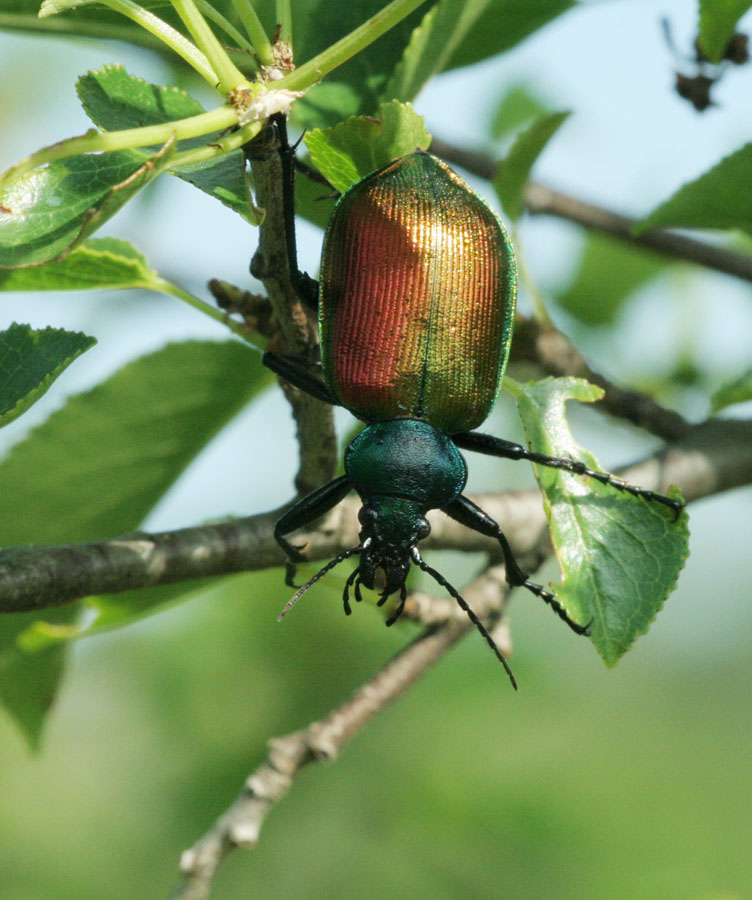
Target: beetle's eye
424, 529
366, 515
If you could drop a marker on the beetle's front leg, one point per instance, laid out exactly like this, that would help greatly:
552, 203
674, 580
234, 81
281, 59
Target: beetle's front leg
302, 513
466, 512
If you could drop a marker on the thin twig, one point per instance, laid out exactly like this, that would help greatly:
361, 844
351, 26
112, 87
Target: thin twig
556, 355
710, 458
314, 419
240, 825
541, 200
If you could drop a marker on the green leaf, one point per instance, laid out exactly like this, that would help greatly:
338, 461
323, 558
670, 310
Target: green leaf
28, 685
362, 144
101, 263
721, 198
47, 212
503, 25
115, 100
30, 361
737, 391
718, 20
620, 555
517, 107
95, 469
512, 174
609, 272
431, 46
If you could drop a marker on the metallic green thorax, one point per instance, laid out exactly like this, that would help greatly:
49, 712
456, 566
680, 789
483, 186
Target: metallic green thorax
417, 297
401, 469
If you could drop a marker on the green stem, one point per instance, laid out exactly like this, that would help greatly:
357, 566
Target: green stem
229, 29
218, 148
515, 388
312, 71
255, 31
229, 77
167, 287
159, 28
94, 141
540, 313
284, 20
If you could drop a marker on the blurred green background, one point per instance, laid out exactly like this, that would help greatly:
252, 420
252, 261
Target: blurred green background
588, 783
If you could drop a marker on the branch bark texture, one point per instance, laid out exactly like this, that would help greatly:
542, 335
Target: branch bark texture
712, 457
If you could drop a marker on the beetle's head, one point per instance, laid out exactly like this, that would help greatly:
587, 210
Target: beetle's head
391, 527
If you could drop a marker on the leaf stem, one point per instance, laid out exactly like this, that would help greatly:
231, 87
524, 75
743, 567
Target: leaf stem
284, 21
255, 31
95, 141
314, 70
223, 145
167, 287
166, 33
229, 77
229, 29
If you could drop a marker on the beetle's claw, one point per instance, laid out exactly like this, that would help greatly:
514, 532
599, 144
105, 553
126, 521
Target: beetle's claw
290, 570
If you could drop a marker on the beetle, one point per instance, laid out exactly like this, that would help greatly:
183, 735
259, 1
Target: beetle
416, 302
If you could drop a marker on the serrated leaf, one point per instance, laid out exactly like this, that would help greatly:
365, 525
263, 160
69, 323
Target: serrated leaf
620, 555
47, 212
721, 198
503, 25
30, 361
517, 106
718, 20
737, 391
609, 272
431, 46
115, 100
101, 263
349, 151
96, 468
512, 174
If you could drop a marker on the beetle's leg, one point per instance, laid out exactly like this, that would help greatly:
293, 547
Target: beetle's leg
467, 513
306, 288
400, 606
297, 372
310, 507
494, 446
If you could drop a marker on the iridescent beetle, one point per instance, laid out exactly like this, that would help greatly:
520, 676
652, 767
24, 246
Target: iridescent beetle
416, 304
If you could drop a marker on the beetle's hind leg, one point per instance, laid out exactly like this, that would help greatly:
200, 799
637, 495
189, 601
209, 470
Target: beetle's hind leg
467, 513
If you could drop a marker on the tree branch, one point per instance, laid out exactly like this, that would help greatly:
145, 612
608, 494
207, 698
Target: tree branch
240, 825
710, 458
270, 264
545, 345
541, 200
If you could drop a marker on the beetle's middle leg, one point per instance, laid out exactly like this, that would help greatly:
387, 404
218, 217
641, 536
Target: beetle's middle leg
467, 513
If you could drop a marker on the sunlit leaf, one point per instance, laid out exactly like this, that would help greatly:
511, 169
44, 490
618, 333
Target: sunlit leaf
721, 198
718, 20
362, 144
737, 391
513, 171
30, 361
620, 555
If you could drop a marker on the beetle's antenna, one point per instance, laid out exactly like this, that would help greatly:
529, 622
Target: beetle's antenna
346, 554
463, 605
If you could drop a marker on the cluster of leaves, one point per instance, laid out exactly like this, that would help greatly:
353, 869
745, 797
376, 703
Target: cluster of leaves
128, 439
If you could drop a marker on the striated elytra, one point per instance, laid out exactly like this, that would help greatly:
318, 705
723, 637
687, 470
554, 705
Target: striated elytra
416, 303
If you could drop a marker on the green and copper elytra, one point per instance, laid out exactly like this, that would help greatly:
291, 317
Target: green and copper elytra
416, 304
